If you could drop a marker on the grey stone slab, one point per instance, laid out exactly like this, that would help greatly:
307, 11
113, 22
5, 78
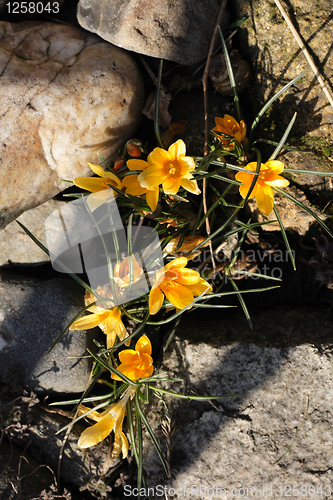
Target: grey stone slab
32, 314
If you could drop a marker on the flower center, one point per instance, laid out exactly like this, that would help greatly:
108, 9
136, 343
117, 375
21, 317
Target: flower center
173, 167
106, 183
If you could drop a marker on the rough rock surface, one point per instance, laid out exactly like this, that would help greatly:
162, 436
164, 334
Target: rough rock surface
32, 315
178, 30
267, 42
65, 96
234, 443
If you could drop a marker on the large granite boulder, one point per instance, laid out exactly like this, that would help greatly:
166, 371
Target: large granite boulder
179, 31
65, 96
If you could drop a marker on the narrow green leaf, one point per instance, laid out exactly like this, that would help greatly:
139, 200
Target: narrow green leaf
268, 103
241, 300
253, 290
310, 172
152, 435
283, 138
65, 268
68, 325
106, 365
131, 431
140, 442
231, 75
196, 398
285, 238
274, 143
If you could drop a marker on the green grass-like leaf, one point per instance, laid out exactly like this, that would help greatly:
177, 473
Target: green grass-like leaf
241, 300
157, 107
68, 325
194, 398
283, 138
231, 75
151, 433
284, 235
268, 103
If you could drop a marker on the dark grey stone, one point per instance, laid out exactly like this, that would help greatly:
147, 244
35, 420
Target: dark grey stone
32, 314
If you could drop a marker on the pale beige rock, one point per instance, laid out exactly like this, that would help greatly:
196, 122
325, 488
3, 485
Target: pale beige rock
65, 96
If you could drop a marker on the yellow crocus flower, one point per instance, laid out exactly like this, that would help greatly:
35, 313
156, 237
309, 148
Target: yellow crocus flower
107, 421
170, 168
137, 363
228, 125
108, 319
179, 284
99, 186
268, 177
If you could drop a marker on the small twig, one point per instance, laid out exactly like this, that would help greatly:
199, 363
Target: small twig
305, 52
204, 84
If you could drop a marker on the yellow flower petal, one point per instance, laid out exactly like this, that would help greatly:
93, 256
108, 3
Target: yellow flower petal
156, 299
177, 294
135, 164
158, 156
244, 189
97, 169
187, 276
89, 321
200, 287
95, 200
128, 357
89, 183
179, 262
96, 433
151, 177
275, 166
143, 345
178, 148
190, 185
277, 181
171, 185
125, 446
265, 199
152, 196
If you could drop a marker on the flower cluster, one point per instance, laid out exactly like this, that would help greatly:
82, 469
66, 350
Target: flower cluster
172, 169
141, 277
